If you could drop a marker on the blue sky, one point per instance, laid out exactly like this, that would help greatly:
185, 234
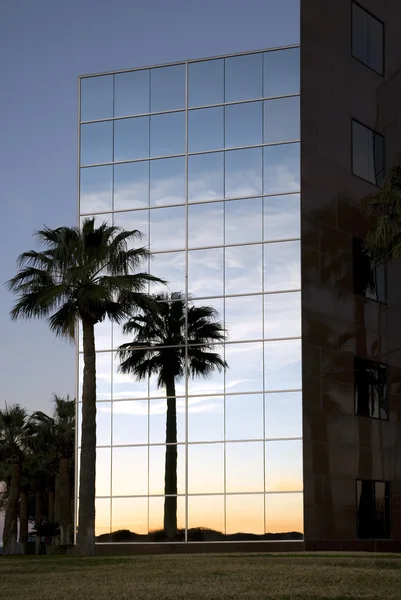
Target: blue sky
44, 46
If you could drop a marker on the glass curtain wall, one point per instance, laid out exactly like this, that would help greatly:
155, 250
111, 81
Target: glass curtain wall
203, 158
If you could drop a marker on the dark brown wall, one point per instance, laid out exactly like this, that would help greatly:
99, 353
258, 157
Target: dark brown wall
340, 447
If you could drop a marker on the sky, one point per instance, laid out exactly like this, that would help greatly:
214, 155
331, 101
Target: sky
44, 46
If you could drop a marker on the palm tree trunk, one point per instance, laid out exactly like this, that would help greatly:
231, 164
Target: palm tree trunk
38, 518
170, 480
86, 518
10, 521
56, 539
65, 502
23, 520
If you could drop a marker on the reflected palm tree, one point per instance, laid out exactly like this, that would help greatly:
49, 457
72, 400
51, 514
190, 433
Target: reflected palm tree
175, 342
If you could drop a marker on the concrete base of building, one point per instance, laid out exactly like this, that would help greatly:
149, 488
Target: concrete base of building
198, 548
352, 546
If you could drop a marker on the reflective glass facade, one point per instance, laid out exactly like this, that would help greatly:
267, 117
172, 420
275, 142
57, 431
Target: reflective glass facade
203, 157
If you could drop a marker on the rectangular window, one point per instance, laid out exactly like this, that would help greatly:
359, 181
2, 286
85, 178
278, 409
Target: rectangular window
368, 157
373, 509
370, 274
367, 39
371, 395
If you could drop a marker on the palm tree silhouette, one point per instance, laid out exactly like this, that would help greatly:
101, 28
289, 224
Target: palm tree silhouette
171, 344
84, 275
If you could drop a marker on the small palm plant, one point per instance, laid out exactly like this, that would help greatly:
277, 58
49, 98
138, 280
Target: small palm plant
172, 344
83, 275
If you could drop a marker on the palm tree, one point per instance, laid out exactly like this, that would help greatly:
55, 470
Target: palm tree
82, 275
61, 434
13, 432
170, 344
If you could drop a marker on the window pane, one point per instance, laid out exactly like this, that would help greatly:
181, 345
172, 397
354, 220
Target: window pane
371, 393
167, 85
157, 466
281, 169
375, 48
131, 185
131, 138
130, 471
102, 521
243, 318
201, 478
244, 467
245, 367
243, 173
103, 471
360, 43
283, 415
285, 514
281, 72
206, 129
206, 419
96, 189
244, 417
206, 225
97, 143
167, 181
243, 124
244, 515
243, 221
96, 98
135, 219
243, 269
127, 386
206, 177
243, 77
103, 423
130, 515
131, 93
157, 420
169, 266
156, 519
205, 272
282, 266
282, 314
206, 518
284, 470
206, 82
130, 422
167, 228
167, 134
283, 365
282, 120
214, 382
281, 217
367, 154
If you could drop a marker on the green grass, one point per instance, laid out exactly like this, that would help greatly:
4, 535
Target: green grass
201, 577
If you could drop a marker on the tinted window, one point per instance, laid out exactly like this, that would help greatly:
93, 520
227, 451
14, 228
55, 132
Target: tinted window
367, 154
367, 39
369, 274
373, 506
371, 395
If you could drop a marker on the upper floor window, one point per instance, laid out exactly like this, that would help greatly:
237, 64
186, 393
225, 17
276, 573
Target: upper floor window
368, 156
370, 275
371, 390
373, 509
367, 39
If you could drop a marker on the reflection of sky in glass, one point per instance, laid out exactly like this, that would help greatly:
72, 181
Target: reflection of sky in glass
96, 98
226, 417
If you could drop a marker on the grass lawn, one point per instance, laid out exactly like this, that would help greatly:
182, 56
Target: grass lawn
201, 577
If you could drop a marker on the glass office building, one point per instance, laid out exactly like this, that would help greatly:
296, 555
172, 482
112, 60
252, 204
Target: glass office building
203, 157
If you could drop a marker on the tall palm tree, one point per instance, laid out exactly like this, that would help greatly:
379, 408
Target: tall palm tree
83, 275
13, 436
169, 345
61, 434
